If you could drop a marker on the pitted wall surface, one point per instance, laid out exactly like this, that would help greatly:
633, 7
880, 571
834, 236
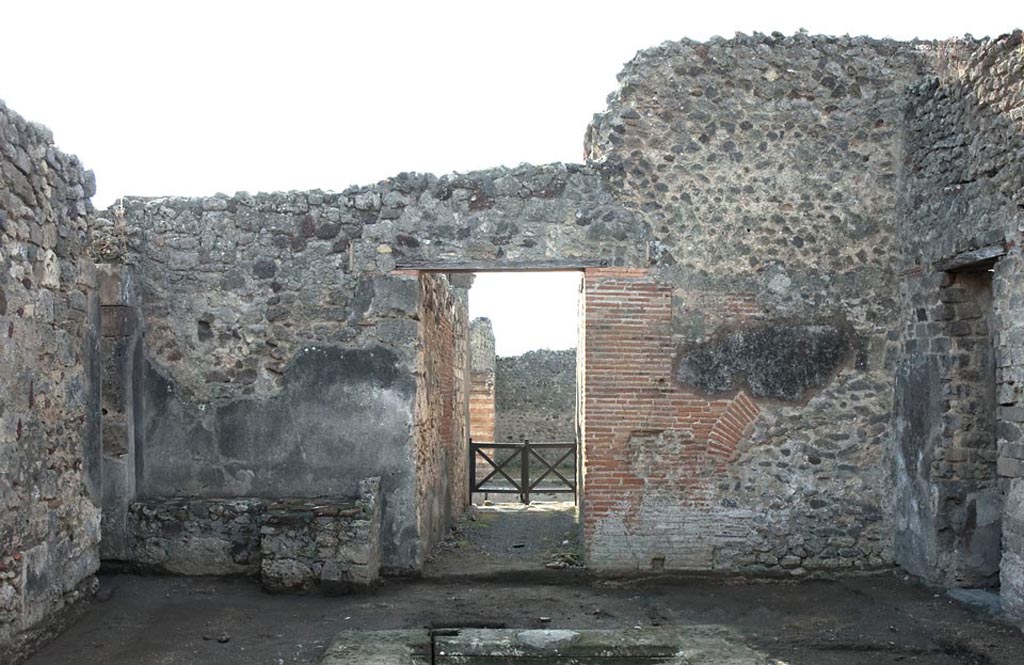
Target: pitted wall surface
765, 168
751, 180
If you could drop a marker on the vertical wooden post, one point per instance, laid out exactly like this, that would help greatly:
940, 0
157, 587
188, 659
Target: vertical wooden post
576, 471
472, 470
525, 472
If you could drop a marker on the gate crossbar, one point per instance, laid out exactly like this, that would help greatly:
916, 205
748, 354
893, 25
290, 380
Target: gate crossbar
524, 452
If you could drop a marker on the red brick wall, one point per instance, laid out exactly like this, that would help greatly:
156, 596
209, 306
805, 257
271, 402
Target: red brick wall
653, 453
442, 426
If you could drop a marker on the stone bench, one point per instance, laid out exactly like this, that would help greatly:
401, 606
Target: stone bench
308, 543
293, 544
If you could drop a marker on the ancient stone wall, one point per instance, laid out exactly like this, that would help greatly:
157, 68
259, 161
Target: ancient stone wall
747, 193
195, 536
481, 389
765, 169
752, 180
442, 408
535, 396
329, 545
962, 191
49, 387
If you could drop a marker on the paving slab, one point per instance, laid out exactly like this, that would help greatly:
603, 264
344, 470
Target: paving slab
690, 645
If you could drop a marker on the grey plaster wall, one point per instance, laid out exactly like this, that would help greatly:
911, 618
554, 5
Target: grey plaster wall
50, 483
340, 416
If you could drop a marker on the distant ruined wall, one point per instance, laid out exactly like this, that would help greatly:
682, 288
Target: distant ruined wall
50, 489
959, 416
765, 170
535, 396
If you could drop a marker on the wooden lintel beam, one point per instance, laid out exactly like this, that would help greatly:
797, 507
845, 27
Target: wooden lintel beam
975, 258
499, 265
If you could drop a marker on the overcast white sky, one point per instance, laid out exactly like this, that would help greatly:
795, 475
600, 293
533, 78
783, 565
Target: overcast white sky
529, 310
190, 97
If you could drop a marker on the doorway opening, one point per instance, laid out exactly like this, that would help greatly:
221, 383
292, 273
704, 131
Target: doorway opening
970, 496
521, 449
524, 335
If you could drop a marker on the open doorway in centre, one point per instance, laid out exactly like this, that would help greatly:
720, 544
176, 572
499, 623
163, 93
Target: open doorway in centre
524, 333
523, 465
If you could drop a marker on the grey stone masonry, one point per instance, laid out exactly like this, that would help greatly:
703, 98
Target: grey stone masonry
962, 195
192, 536
282, 347
1012, 568
481, 345
763, 167
49, 386
327, 544
948, 500
331, 543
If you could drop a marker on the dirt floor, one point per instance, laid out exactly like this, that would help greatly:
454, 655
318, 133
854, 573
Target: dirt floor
496, 571
509, 536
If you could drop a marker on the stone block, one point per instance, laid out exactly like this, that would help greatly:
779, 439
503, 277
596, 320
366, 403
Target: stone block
1010, 468
329, 544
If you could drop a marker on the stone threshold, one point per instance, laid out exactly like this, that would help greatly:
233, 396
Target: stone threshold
690, 645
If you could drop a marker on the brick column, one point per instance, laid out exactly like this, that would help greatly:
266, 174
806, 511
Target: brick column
481, 393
